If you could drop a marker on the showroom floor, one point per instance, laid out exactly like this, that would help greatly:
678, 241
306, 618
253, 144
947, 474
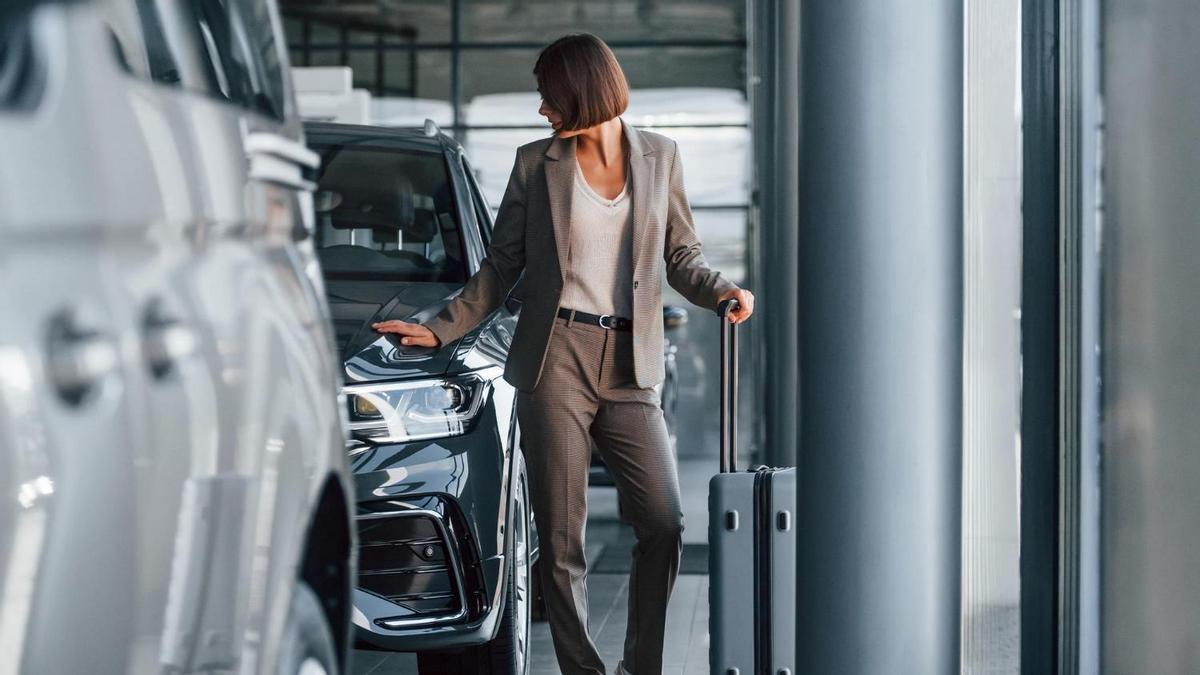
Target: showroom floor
608, 542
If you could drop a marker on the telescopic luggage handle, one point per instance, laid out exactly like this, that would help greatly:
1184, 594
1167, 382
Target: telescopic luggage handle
729, 387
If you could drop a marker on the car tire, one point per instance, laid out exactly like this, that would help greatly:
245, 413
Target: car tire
307, 646
508, 652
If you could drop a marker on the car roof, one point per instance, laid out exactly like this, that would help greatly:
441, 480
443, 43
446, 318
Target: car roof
404, 137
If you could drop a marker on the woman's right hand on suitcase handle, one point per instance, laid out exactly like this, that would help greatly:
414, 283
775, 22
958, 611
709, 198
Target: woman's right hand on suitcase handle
413, 334
743, 305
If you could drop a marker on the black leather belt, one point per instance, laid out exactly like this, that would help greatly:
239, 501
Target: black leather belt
603, 320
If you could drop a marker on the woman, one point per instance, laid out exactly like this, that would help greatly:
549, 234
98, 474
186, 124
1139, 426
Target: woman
586, 224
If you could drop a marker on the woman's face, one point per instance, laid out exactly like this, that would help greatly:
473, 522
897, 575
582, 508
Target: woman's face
555, 120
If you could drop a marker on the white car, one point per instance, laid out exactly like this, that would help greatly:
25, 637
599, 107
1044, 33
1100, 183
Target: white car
173, 479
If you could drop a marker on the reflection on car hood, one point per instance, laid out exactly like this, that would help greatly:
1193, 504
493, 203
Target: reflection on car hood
370, 356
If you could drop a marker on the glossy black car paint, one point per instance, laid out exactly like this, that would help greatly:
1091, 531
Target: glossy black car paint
472, 472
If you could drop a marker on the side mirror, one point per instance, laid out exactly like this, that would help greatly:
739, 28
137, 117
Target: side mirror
674, 317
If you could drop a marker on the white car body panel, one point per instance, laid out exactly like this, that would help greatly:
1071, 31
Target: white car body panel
164, 517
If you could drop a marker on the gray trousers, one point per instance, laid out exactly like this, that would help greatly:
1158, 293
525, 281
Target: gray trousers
587, 391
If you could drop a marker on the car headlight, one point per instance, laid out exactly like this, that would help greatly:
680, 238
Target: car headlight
398, 412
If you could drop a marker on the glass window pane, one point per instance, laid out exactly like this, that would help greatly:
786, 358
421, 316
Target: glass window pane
433, 74
228, 63
325, 57
716, 164
150, 56
651, 67
428, 81
264, 49
162, 61
497, 71
422, 21
716, 160
399, 73
386, 213
402, 111
323, 33
362, 37
490, 71
121, 23
492, 153
292, 26
540, 20
723, 234
17, 63
362, 63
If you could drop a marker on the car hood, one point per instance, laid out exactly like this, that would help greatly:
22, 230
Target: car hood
370, 356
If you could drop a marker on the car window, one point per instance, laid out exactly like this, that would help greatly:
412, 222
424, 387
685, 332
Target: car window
483, 214
265, 53
235, 53
236, 60
18, 64
160, 60
386, 213
226, 66
120, 19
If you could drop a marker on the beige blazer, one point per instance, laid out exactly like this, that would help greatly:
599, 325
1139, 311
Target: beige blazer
528, 250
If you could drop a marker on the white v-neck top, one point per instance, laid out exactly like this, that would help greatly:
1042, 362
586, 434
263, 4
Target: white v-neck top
599, 272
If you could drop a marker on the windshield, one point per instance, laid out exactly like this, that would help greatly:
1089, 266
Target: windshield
386, 213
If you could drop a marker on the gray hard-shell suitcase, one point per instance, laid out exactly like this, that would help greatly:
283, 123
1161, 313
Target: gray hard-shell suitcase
752, 549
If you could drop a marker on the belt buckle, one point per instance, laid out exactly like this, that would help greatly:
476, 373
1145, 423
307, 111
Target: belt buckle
605, 325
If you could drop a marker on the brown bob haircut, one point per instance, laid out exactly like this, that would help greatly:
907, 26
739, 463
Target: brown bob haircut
579, 77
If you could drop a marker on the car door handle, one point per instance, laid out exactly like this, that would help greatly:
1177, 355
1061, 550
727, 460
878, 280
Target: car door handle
280, 160
165, 340
78, 357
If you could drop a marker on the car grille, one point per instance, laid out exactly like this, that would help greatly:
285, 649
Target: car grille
408, 558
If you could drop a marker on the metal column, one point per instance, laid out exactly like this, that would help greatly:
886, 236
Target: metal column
775, 102
1041, 338
1149, 598
880, 330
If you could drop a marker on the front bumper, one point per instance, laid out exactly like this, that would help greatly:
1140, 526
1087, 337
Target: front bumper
420, 584
431, 520
412, 563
